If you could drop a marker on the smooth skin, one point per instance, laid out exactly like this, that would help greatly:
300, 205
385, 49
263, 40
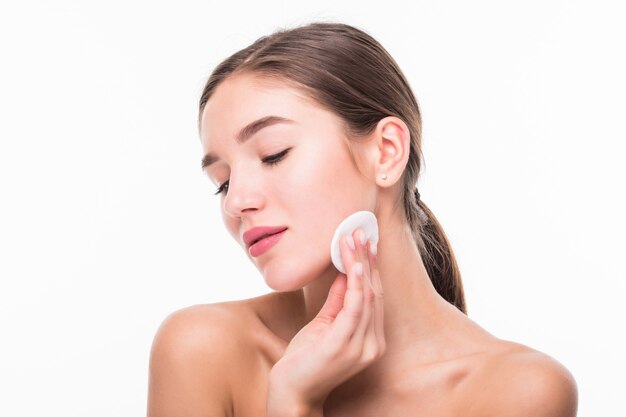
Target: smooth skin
344, 338
237, 358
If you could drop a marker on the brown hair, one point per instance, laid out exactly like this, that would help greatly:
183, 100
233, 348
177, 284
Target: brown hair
348, 72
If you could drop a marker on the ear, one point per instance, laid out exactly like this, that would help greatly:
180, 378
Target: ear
390, 148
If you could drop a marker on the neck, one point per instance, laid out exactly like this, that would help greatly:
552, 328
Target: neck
420, 326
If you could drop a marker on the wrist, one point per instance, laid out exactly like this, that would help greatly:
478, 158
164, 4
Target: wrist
303, 409
293, 409
284, 403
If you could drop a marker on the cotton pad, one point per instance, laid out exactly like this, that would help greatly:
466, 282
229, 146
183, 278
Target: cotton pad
365, 220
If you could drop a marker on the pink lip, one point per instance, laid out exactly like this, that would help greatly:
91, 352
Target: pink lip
260, 247
252, 235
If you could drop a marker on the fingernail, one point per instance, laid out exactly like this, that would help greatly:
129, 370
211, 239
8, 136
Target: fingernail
362, 236
373, 248
358, 268
350, 242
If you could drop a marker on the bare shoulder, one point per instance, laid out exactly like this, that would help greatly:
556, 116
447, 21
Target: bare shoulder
521, 381
192, 358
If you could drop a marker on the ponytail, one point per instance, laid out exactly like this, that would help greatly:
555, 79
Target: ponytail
437, 253
347, 71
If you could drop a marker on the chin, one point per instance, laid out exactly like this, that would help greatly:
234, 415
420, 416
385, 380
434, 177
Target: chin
292, 276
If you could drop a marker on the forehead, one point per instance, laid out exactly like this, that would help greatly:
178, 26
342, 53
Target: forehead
242, 98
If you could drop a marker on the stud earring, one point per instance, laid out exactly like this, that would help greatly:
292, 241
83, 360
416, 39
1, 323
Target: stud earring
384, 176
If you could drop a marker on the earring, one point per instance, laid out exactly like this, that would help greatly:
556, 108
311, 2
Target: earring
384, 176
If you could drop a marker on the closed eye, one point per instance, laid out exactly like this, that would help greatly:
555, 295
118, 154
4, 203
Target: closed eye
270, 160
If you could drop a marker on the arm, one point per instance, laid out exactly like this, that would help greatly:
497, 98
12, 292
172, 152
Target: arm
188, 360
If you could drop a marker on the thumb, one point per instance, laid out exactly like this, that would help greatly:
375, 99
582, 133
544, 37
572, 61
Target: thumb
334, 302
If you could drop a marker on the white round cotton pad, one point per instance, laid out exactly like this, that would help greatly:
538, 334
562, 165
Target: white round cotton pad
365, 220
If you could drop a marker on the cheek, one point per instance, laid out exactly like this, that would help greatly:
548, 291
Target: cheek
321, 195
326, 188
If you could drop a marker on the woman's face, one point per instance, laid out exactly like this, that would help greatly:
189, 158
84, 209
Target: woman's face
310, 190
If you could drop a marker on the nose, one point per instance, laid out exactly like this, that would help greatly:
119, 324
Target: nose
242, 197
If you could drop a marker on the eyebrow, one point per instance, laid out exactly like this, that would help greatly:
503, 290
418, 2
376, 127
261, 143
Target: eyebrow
247, 132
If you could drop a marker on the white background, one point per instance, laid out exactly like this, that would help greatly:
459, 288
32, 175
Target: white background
108, 225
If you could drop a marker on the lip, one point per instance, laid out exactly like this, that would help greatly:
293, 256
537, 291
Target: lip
251, 235
264, 244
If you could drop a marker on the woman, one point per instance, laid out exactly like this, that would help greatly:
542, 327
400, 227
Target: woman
300, 130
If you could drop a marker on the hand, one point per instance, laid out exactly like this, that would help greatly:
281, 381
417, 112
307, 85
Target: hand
345, 337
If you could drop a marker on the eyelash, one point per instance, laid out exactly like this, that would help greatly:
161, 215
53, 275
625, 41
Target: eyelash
270, 160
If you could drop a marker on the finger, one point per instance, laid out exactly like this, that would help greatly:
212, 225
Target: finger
335, 300
372, 343
348, 254
348, 318
379, 308
361, 252
351, 257
368, 295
